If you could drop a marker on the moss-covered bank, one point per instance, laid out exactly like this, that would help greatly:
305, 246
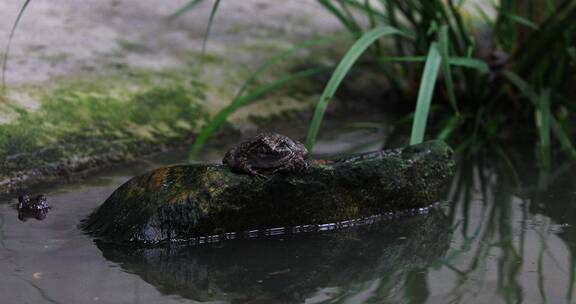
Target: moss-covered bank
72, 125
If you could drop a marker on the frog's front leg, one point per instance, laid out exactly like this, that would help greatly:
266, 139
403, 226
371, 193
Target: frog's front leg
247, 168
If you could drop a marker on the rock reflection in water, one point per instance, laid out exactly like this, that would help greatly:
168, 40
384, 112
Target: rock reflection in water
294, 268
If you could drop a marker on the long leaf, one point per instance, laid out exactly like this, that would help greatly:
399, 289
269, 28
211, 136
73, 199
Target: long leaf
7, 50
488, 20
348, 14
544, 127
557, 129
283, 54
341, 71
425, 93
444, 52
448, 128
522, 86
239, 102
351, 26
190, 5
562, 137
209, 25
520, 20
471, 63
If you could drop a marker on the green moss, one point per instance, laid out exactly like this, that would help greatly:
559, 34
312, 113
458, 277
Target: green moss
133, 47
106, 109
168, 105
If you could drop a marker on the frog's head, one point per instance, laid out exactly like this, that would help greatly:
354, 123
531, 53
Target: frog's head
266, 151
272, 146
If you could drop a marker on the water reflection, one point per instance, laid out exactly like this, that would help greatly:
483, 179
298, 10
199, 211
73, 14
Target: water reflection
350, 264
514, 237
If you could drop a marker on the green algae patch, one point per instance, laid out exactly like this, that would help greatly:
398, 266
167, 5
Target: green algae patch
84, 124
189, 201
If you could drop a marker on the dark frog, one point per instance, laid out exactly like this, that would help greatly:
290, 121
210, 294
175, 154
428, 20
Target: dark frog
32, 207
267, 153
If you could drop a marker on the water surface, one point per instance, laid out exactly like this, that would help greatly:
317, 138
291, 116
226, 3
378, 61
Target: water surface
501, 237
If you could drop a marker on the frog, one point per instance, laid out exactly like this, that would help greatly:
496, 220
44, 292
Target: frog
266, 154
32, 207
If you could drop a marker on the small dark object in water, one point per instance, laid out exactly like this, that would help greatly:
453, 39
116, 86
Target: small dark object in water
32, 207
267, 153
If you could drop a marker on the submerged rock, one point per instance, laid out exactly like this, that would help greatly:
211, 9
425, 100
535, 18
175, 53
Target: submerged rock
188, 201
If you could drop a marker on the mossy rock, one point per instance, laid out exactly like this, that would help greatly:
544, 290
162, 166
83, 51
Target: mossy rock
184, 202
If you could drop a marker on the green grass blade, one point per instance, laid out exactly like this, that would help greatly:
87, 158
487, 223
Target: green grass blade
239, 102
448, 128
489, 21
209, 26
520, 20
444, 52
339, 15
371, 13
425, 93
280, 56
348, 14
572, 54
7, 50
463, 32
544, 127
522, 86
190, 5
562, 137
363, 8
550, 7
471, 63
344, 66
557, 129
392, 20
403, 59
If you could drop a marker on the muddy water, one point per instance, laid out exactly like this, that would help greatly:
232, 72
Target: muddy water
498, 239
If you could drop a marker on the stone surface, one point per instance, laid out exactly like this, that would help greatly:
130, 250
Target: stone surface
69, 37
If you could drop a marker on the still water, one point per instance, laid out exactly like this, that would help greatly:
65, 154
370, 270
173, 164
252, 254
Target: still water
501, 237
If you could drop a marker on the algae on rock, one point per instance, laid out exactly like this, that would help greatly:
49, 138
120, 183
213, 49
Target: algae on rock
188, 201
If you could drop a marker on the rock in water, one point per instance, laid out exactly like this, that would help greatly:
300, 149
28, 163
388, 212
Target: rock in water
184, 202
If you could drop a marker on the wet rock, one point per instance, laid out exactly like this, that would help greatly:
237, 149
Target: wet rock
184, 202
